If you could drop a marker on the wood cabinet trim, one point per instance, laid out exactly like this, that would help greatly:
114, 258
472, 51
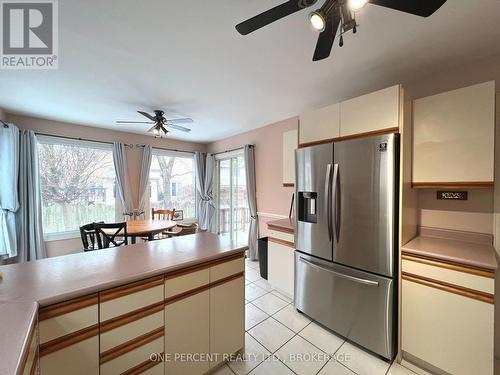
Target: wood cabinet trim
25, 355
227, 259
280, 229
131, 288
462, 291
288, 184
199, 267
144, 366
282, 242
34, 365
130, 345
352, 136
68, 340
227, 279
477, 271
132, 316
453, 185
66, 307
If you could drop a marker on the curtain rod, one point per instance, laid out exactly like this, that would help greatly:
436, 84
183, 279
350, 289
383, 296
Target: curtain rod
81, 139
234, 149
166, 149
5, 125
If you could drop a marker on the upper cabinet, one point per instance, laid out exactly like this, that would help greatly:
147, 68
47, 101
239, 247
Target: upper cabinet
290, 143
322, 124
372, 112
454, 134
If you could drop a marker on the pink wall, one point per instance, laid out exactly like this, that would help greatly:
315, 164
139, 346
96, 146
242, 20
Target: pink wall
272, 197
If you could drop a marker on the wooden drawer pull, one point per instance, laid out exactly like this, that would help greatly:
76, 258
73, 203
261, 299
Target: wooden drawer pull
67, 340
66, 307
130, 289
130, 317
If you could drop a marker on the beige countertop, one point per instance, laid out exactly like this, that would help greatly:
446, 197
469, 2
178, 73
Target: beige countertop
462, 248
25, 286
288, 225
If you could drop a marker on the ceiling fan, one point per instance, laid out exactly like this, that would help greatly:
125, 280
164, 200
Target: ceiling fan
332, 14
161, 124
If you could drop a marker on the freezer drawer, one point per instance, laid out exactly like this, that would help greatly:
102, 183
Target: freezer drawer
354, 304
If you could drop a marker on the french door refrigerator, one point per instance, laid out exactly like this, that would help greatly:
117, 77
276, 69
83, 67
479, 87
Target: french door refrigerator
346, 238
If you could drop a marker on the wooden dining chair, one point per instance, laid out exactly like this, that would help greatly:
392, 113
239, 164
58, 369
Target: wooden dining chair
162, 214
111, 234
89, 235
187, 229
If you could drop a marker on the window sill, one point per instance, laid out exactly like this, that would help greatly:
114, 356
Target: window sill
61, 236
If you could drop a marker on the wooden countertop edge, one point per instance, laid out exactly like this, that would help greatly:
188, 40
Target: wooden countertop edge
19, 367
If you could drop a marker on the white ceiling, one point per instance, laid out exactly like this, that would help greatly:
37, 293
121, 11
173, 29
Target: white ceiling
119, 56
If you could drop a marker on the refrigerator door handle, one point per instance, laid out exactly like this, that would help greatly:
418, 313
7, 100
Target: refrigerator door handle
339, 274
328, 200
336, 198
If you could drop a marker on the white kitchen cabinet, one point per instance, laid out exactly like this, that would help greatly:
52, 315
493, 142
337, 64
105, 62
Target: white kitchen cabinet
290, 144
319, 125
447, 317
280, 261
454, 137
376, 111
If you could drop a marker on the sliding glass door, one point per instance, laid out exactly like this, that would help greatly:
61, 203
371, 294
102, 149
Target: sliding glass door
232, 201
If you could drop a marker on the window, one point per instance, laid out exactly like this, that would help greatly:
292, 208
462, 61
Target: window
77, 183
232, 201
172, 182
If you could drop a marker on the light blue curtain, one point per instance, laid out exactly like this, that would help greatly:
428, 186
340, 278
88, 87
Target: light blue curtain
204, 167
29, 215
253, 232
123, 182
9, 202
147, 154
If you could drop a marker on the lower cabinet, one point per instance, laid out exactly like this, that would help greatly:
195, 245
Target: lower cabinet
281, 261
447, 326
227, 319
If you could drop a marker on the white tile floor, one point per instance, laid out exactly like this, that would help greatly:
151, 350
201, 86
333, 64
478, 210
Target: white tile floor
279, 340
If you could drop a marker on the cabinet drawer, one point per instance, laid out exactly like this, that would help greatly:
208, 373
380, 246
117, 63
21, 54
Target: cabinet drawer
281, 235
227, 268
181, 283
131, 355
81, 358
125, 299
67, 317
130, 328
446, 330
463, 279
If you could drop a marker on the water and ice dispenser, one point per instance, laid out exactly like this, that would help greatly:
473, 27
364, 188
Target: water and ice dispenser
307, 210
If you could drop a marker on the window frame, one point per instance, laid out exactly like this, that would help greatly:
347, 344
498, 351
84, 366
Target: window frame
173, 153
60, 140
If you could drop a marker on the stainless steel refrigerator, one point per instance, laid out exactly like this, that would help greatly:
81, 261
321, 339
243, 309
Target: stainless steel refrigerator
346, 238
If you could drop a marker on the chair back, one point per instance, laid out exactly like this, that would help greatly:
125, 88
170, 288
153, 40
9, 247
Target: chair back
162, 214
191, 229
108, 234
89, 237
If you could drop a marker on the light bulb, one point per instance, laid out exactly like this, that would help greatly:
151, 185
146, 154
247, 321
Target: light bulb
317, 21
355, 5
156, 131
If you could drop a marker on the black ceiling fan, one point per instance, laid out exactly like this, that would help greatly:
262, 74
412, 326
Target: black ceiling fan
161, 124
332, 14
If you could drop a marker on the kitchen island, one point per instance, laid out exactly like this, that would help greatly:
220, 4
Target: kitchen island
107, 311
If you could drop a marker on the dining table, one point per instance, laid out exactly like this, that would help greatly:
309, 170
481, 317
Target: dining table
147, 228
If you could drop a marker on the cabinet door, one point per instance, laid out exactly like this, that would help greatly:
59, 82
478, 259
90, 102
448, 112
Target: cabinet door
290, 143
82, 358
454, 134
376, 111
449, 331
320, 125
280, 260
227, 319
187, 333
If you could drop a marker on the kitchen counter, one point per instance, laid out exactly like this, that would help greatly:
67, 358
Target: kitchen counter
26, 286
283, 225
461, 248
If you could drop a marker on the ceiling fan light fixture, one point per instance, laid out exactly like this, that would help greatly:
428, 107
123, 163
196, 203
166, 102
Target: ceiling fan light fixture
317, 20
156, 131
355, 5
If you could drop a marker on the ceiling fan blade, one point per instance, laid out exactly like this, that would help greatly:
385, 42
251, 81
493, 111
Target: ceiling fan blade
177, 127
163, 128
134, 122
327, 36
271, 15
422, 8
147, 115
180, 121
